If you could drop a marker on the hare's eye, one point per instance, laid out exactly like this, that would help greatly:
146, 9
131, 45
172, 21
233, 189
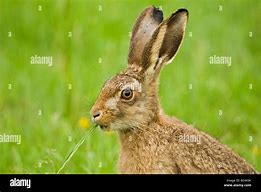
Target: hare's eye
126, 94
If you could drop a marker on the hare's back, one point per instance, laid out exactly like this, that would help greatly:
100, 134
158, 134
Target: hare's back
194, 151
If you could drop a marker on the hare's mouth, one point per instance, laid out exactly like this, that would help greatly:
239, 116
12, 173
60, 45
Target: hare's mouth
103, 127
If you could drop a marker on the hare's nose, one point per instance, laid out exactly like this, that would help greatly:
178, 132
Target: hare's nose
96, 115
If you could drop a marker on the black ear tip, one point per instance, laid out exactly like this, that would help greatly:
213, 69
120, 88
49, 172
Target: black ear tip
183, 10
157, 14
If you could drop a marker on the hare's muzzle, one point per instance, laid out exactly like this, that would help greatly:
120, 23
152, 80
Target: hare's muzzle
96, 118
96, 115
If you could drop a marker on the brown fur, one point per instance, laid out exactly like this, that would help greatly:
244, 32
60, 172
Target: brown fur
150, 141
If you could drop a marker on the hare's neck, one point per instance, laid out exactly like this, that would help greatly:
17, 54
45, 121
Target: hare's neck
138, 136
133, 143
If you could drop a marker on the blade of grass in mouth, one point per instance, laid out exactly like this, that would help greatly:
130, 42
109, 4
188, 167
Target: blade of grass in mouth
70, 155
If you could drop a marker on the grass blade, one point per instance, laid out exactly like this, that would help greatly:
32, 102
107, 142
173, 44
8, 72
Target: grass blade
74, 150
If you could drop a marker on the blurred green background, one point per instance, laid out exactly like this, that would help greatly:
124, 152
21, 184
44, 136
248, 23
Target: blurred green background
88, 41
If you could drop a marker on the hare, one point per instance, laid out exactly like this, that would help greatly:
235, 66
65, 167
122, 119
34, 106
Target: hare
152, 142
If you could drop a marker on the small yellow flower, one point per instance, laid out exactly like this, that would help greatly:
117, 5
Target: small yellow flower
255, 150
84, 123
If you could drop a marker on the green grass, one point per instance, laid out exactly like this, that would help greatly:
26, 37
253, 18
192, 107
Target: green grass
47, 140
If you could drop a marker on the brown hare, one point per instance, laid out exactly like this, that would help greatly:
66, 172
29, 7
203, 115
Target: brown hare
152, 142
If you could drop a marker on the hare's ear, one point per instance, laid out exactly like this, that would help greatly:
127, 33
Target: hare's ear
145, 25
164, 42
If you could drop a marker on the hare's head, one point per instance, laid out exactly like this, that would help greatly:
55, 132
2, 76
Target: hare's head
129, 99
